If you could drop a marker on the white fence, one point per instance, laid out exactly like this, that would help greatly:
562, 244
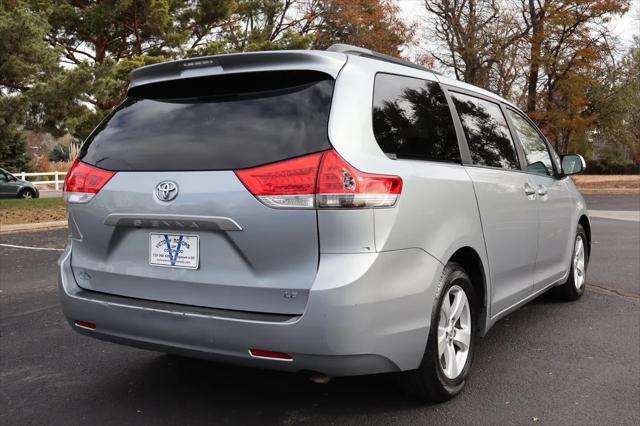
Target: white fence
58, 178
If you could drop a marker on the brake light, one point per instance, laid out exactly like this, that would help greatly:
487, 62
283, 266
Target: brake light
323, 180
83, 182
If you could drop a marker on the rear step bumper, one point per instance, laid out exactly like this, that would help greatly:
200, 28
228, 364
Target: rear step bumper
367, 313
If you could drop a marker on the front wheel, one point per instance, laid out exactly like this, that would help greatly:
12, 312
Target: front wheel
574, 287
450, 345
27, 194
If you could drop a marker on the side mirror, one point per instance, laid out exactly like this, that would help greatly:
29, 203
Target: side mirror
573, 164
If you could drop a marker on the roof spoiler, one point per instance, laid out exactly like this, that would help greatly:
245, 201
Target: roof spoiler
327, 63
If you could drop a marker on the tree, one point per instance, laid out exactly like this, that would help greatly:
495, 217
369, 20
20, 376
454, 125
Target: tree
264, 25
373, 24
24, 61
615, 103
478, 40
101, 42
545, 52
568, 46
301, 24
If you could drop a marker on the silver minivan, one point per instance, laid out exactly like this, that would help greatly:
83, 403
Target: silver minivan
338, 212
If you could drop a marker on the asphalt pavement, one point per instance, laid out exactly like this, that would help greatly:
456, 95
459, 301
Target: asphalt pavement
547, 363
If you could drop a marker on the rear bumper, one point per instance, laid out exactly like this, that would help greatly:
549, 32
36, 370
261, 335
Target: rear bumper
366, 313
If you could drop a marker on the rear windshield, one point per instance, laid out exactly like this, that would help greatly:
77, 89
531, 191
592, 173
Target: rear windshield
215, 123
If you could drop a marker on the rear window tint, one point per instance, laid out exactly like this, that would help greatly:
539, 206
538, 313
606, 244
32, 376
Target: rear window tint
411, 119
215, 123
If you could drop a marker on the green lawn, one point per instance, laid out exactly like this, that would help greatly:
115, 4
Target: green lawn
34, 203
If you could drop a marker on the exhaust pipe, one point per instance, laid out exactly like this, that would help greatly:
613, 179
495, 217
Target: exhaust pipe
319, 378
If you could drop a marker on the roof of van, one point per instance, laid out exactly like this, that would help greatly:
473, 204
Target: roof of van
373, 55
328, 61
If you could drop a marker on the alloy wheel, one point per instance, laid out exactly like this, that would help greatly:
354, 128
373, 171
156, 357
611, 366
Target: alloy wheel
578, 263
454, 332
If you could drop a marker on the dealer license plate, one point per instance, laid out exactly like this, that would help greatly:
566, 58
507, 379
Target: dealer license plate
174, 250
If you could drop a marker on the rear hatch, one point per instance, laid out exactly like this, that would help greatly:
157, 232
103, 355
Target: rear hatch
171, 153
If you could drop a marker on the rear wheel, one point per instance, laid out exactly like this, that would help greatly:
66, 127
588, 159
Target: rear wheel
450, 346
574, 287
27, 193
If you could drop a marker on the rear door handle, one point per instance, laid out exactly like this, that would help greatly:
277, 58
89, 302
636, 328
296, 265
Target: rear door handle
528, 189
542, 190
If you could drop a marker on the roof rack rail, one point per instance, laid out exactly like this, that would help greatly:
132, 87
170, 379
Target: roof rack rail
367, 53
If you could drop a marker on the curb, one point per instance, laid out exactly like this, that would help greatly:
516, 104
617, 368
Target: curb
609, 191
27, 227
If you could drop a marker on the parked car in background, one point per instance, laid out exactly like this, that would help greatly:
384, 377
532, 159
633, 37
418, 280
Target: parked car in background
12, 187
341, 212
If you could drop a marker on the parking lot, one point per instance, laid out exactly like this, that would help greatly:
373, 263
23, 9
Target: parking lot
548, 363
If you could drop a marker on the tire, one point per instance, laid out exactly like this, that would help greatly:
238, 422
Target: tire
433, 380
574, 287
27, 193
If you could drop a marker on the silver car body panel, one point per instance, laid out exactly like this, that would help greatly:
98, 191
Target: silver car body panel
365, 314
364, 280
247, 269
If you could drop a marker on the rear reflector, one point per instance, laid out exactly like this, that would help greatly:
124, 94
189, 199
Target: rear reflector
323, 180
261, 353
85, 324
84, 181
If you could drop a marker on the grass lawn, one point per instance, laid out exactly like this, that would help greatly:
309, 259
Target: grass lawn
32, 211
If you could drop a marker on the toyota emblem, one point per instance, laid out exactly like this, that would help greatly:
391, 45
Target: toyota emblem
166, 190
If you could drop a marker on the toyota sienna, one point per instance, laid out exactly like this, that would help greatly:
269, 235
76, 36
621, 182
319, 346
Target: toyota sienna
339, 212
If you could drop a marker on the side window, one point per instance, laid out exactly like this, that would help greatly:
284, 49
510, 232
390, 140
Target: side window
535, 150
3, 177
411, 119
487, 132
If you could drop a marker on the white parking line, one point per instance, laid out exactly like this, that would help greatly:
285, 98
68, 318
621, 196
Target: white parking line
31, 248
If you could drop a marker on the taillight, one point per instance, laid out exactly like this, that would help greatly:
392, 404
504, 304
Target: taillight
84, 181
323, 180
340, 185
289, 184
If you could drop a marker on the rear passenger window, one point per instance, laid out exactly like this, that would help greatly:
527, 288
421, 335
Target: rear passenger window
490, 143
535, 150
411, 119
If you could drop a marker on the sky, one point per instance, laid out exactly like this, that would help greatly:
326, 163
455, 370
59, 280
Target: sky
625, 27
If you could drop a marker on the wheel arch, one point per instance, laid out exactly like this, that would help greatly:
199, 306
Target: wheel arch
586, 224
24, 189
470, 260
